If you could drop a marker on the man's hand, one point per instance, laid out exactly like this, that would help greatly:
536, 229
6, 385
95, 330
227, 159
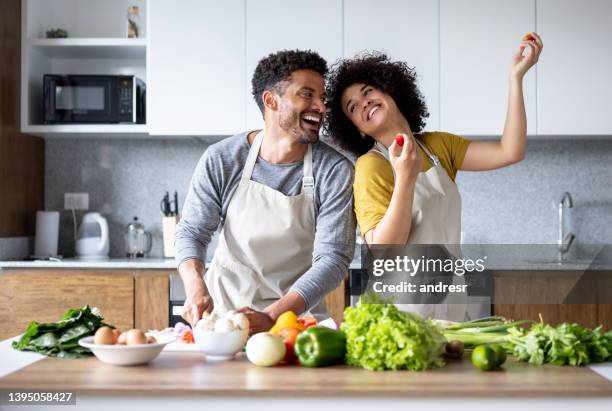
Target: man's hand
198, 298
196, 304
258, 321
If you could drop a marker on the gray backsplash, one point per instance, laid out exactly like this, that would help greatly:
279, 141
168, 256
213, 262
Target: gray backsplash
15, 248
518, 204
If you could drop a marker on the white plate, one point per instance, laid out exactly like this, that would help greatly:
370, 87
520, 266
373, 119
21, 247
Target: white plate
126, 354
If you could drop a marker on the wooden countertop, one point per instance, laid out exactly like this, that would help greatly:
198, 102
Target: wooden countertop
173, 374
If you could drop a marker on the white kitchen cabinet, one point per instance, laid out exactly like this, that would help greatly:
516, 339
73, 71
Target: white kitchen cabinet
574, 73
406, 31
96, 44
274, 25
478, 39
196, 67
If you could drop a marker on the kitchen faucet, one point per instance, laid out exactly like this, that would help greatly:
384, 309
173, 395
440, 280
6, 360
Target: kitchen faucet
565, 240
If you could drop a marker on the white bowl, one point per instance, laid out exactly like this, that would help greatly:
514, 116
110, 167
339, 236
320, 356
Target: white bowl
126, 354
220, 346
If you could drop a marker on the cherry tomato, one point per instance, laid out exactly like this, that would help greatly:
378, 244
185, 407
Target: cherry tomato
399, 140
528, 37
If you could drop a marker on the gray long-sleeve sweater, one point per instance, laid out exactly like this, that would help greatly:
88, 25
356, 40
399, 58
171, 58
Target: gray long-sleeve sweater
216, 178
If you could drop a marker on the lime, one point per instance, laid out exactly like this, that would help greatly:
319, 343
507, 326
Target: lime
484, 358
501, 354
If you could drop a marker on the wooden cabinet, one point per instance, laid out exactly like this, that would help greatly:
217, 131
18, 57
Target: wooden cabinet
518, 292
406, 31
477, 41
574, 85
337, 301
196, 66
274, 25
127, 299
151, 299
22, 158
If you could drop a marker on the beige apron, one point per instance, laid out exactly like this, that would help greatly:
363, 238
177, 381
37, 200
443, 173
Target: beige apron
266, 242
436, 219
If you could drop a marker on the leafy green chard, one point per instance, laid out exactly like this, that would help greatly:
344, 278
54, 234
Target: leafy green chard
380, 337
60, 339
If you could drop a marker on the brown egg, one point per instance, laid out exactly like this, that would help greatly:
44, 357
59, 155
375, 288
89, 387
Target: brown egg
122, 338
105, 336
135, 337
117, 334
151, 339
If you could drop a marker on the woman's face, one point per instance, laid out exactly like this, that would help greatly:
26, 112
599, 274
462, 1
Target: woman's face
368, 108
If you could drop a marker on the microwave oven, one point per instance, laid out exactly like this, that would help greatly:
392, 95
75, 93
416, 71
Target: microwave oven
93, 99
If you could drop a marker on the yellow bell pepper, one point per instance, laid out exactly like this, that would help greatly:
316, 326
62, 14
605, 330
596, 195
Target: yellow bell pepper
287, 319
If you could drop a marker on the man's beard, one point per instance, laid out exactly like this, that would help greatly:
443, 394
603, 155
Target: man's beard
291, 123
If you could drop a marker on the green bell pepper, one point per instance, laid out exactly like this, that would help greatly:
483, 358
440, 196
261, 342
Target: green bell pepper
318, 346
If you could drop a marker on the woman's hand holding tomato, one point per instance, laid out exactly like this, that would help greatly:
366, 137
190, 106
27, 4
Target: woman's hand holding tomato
405, 158
522, 63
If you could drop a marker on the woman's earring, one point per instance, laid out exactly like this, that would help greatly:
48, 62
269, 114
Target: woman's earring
362, 134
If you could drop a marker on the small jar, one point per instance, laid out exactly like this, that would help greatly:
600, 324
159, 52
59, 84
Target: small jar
133, 22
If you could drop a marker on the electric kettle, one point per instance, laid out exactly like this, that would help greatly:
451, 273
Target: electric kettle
92, 239
138, 241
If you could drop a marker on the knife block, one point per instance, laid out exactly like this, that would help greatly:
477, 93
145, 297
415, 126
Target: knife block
169, 229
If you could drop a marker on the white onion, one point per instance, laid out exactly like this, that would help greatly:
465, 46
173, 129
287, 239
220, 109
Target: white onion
265, 349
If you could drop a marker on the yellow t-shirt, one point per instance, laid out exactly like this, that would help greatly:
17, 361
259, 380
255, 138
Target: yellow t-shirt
374, 179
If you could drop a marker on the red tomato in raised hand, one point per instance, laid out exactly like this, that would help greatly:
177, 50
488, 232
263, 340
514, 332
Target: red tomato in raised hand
399, 140
289, 334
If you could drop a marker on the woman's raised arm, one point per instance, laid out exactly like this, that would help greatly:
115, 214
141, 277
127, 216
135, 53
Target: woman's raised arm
489, 155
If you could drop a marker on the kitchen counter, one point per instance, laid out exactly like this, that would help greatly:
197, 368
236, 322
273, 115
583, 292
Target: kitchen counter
185, 379
176, 373
112, 263
187, 376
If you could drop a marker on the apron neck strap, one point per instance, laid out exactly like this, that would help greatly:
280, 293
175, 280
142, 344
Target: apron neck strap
433, 158
307, 181
252, 157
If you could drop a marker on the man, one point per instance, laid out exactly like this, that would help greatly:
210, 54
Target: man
283, 199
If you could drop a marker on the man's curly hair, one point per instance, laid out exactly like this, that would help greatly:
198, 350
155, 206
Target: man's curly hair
272, 72
375, 69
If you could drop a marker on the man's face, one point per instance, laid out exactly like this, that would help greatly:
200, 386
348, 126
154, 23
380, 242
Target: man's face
302, 106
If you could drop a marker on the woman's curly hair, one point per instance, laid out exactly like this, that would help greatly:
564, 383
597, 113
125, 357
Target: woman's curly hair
375, 69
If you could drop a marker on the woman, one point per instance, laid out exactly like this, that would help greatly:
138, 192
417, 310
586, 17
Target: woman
406, 194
